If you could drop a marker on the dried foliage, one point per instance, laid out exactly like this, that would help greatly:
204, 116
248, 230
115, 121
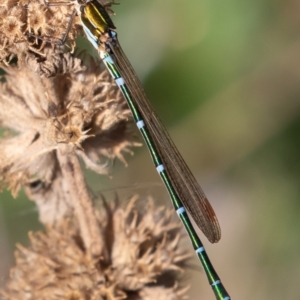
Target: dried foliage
30, 25
57, 108
144, 260
80, 112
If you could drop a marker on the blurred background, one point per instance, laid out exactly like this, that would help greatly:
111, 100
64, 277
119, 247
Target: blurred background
224, 76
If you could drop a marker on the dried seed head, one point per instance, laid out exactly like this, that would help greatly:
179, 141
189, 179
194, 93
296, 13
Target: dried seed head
80, 112
28, 26
145, 260
55, 62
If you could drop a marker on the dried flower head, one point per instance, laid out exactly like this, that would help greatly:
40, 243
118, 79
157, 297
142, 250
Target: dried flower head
80, 112
144, 261
29, 26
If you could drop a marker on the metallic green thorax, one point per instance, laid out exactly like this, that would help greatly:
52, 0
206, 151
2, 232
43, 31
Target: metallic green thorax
96, 19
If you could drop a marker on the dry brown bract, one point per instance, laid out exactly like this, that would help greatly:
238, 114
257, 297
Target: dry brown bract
80, 112
22, 21
144, 262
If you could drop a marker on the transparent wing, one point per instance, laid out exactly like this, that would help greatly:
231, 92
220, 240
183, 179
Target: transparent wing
188, 189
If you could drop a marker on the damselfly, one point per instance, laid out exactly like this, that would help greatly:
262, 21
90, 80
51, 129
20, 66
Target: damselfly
180, 183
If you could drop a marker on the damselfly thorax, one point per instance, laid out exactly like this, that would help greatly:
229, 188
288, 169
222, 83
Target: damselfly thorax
95, 21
